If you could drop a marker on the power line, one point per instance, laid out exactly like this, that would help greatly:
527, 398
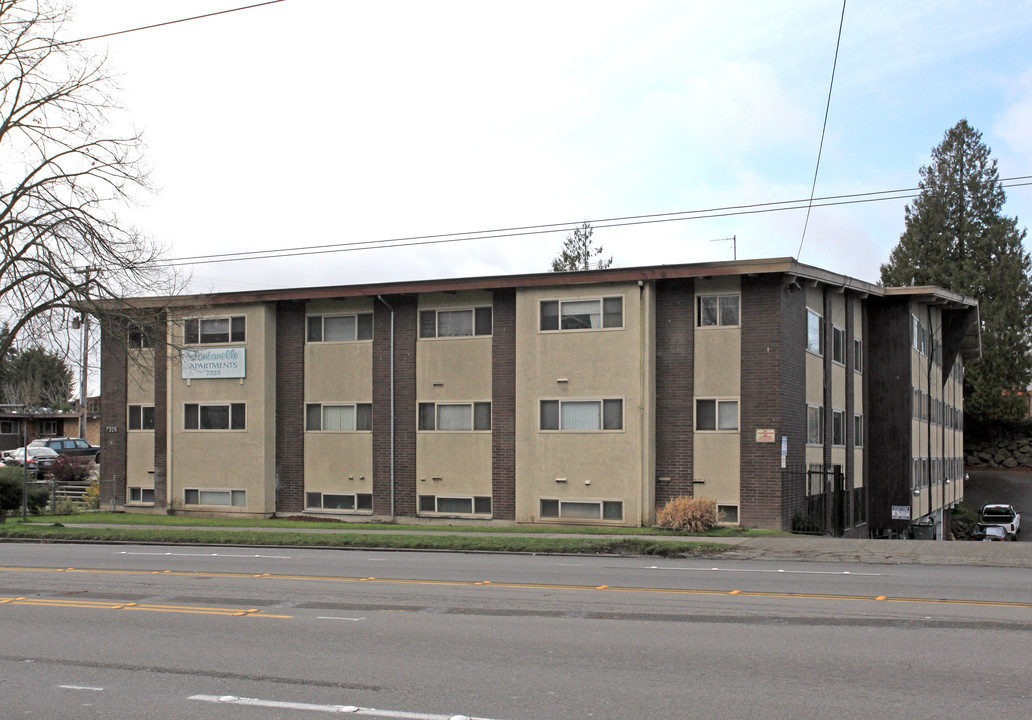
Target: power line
170, 22
547, 228
824, 128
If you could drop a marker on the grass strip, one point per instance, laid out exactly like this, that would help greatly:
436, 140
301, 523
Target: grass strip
343, 539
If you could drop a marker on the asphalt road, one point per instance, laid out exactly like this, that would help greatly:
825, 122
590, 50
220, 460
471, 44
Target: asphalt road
156, 632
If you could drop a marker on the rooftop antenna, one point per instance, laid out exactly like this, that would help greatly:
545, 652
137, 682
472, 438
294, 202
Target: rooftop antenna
734, 244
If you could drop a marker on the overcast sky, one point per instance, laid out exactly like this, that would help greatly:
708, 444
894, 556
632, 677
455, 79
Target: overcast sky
311, 122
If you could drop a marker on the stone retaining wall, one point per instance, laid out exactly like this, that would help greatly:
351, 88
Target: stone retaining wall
1007, 452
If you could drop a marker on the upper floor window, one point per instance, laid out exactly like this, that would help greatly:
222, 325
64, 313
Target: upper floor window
716, 415
573, 415
814, 425
340, 328
204, 331
582, 314
215, 417
858, 430
718, 310
858, 356
455, 323
140, 338
838, 427
141, 417
814, 336
455, 417
838, 345
341, 418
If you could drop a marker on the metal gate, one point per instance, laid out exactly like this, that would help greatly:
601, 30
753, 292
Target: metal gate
826, 503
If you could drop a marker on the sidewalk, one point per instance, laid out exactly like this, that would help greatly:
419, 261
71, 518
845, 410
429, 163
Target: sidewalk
794, 547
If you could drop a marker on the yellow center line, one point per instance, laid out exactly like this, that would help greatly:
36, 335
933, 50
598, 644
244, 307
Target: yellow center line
530, 586
98, 605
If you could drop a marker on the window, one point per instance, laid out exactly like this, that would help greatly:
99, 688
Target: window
718, 310
442, 505
338, 418
141, 417
582, 415
140, 338
858, 430
141, 495
340, 328
814, 425
331, 501
233, 498
455, 323
814, 336
727, 514
859, 506
10, 427
838, 345
215, 417
455, 417
582, 314
46, 427
838, 427
609, 510
206, 331
716, 415
858, 356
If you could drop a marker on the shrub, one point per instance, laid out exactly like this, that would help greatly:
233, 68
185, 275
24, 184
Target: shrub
688, 514
92, 495
10, 488
72, 469
39, 499
64, 506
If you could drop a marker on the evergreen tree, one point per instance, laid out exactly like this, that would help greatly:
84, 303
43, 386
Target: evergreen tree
579, 252
35, 378
957, 237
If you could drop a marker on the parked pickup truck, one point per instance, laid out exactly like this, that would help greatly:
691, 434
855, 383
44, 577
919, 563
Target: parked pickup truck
1002, 516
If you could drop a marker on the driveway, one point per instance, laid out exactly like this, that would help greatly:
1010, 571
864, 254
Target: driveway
1010, 487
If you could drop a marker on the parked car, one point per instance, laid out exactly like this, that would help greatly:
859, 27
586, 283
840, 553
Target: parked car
41, 459
1003, 516
71, 447
989, 533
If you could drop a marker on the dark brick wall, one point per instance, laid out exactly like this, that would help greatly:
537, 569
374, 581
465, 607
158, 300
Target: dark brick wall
113, 398
761, 402
405, 315
161, 414
793, 402
290, 407
503, 406
675, 365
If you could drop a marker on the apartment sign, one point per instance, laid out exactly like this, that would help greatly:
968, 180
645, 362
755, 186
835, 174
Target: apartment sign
214, 363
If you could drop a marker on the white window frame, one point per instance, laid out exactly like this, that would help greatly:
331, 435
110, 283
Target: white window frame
560, 318
604, 425
474, 500
361, 417
362, 329
237, 497
140, 492
838, 345
477, 313
46, 428
571, 515
475, 416
136, 418
234, 335
858, 355
812, 316
229, 410
718, 402
12, 425
357, 499
815, 412
719, 299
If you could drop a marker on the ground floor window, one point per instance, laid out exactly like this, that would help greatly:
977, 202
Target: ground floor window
198, 496
141, 495
727, 514
582, 510
339, 501
443, 505
10, 427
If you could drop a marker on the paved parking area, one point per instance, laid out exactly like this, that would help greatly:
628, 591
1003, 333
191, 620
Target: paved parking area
1011, 487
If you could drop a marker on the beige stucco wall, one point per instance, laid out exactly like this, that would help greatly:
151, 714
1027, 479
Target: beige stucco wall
460, 462
227, 459
582, 365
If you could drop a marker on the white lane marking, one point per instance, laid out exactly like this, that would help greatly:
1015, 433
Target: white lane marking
330, 617
787, 572
351, 709
226, 555
80, 687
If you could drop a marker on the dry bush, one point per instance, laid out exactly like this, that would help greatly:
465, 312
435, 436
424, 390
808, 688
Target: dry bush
688, 514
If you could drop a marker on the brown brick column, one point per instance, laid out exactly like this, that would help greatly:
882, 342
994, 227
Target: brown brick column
160, 335
405, 314
793, 402
850, 412
290, 407
762, 402
675, 382
113, 397
503, 406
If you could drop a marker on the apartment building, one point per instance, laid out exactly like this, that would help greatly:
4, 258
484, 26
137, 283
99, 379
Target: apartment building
774, 388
